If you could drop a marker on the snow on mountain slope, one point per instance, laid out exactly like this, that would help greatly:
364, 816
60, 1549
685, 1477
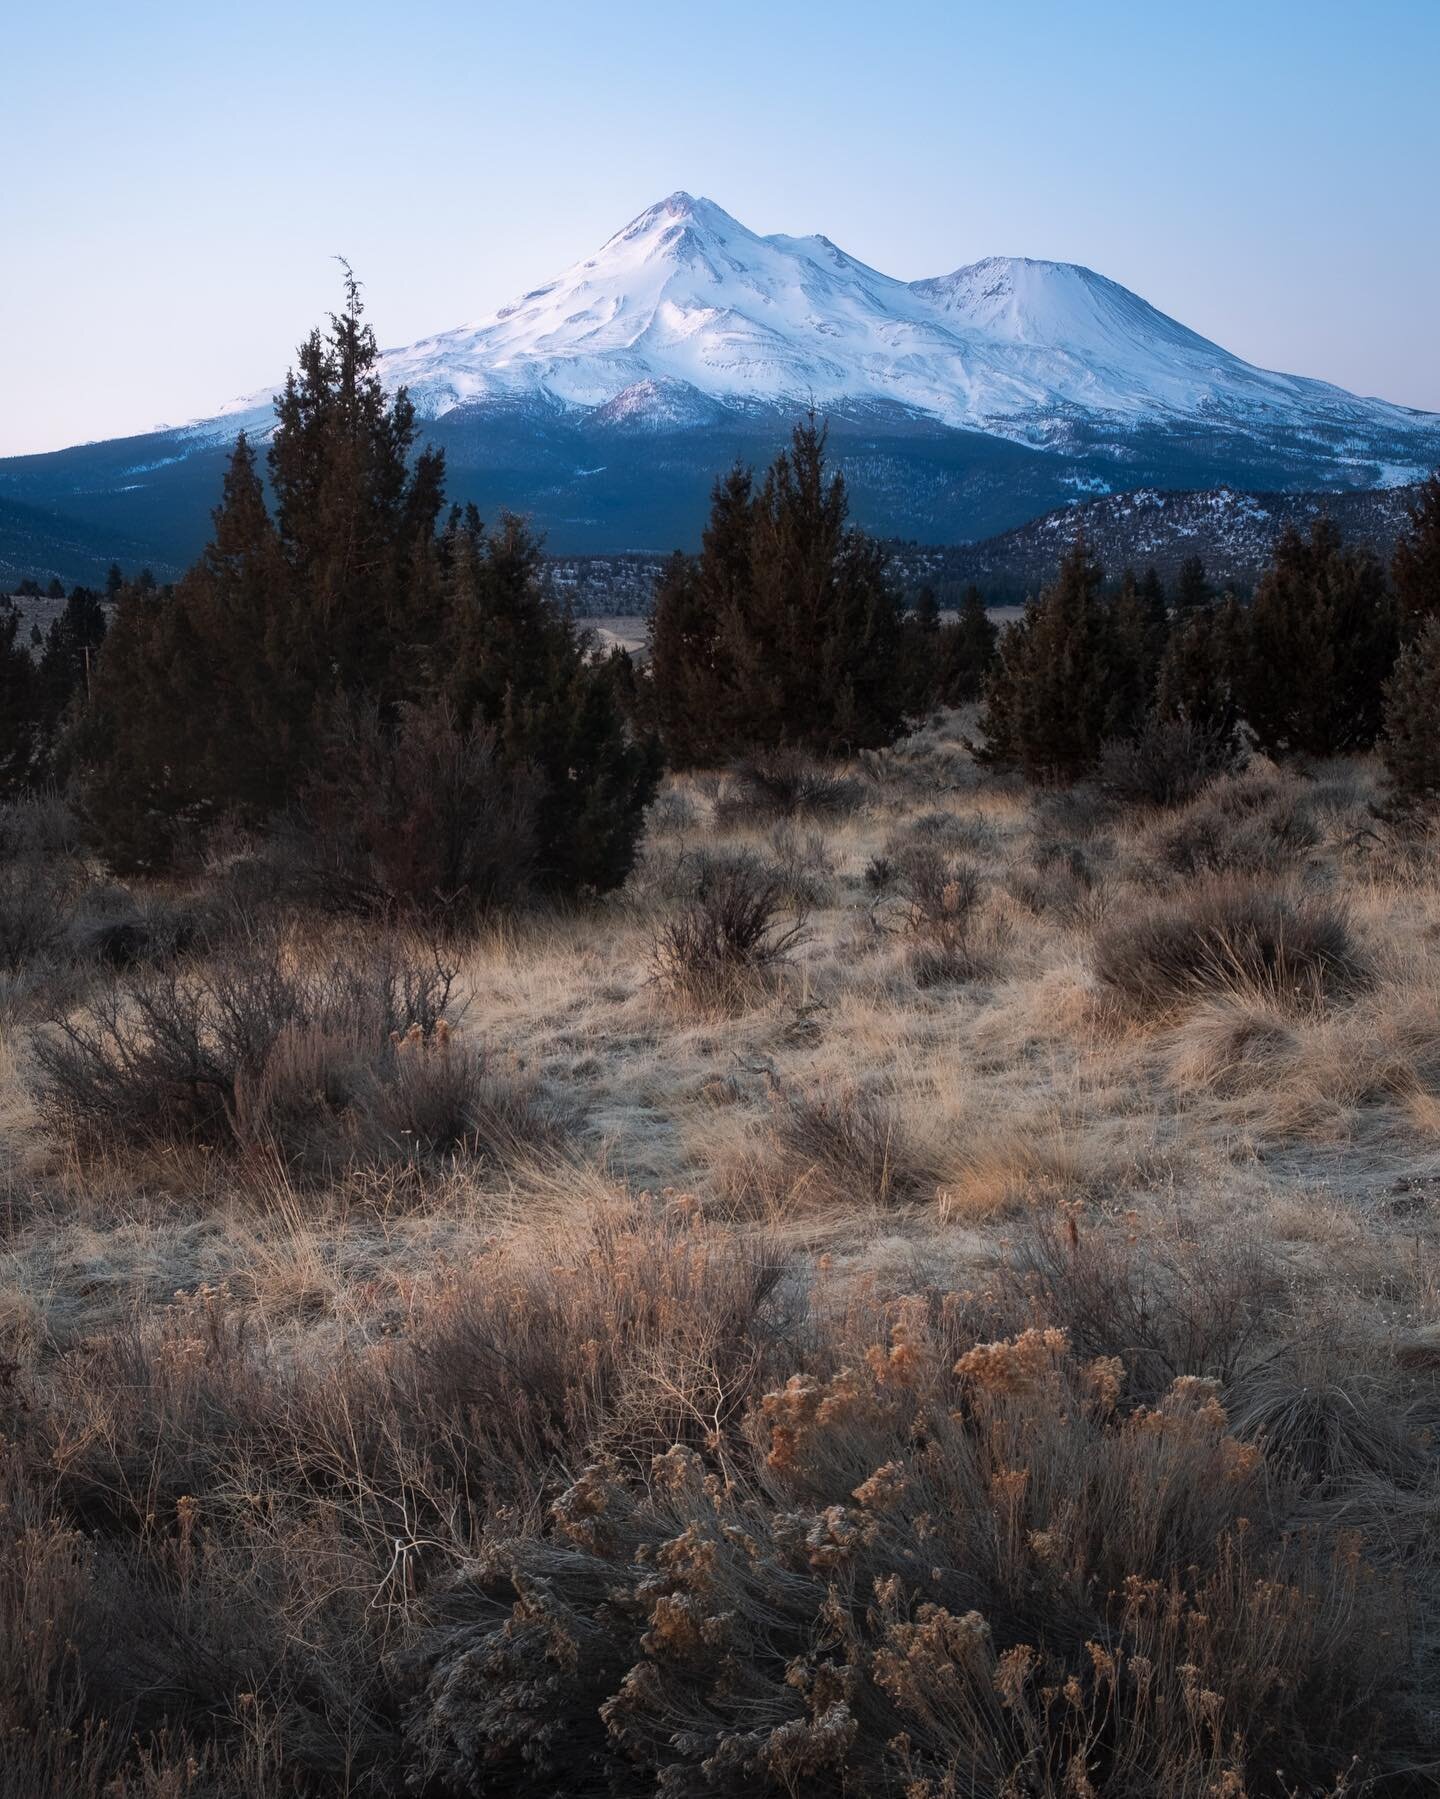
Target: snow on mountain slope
685, 297
685, 313
1098, 346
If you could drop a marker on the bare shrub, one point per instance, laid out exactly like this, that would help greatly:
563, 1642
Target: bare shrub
717, 948
1062, 882
1229, 938
942, 917
785, 784
1076, 813
38, 827
1167, 763
33, 915
437, 1095
804, 865
969, 833
255, 1045
672, 813
1167, 1305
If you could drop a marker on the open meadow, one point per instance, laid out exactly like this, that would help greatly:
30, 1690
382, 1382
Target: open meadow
931, 1287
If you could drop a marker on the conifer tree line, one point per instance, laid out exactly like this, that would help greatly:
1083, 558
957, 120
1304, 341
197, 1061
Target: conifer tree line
1329, 658
44, 677
356, 669
781, 633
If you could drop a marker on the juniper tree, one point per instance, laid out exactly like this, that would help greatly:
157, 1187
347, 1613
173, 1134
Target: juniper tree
1047, 703
223, 694
965, 651
65, 662
519, 667
691, 674
18, 709
1202, 670
786, 630
1415, 569
355, 518
140, 745
1137, 644
1410, 738
1322, 640
920, 653
1192, 586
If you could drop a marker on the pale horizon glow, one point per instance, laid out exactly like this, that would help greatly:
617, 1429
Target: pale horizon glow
178, 180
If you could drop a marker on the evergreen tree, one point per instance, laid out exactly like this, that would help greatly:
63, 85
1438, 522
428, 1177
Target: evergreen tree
1136, 647
1202, 670
18, 707
1192, 587
1415, 570
355, 521
518, 666
920, 649
786, 630
965, 651
70, 647
692, 674
222, 695
1410, 741
114, 581
1152, 596
56, 589
261, 705
1322, 641
1047, 703
139, 746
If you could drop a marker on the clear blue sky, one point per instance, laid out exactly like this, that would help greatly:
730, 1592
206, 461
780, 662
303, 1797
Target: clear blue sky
176, 177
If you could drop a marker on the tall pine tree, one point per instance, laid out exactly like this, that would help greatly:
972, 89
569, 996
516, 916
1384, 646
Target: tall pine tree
1415, 570
787, 630
19, 722
231, 693
1048, 707
1322, 640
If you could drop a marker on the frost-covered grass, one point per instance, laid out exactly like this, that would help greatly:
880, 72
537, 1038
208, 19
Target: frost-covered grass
920, 1369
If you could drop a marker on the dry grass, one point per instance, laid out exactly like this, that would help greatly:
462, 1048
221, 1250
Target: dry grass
984, 1344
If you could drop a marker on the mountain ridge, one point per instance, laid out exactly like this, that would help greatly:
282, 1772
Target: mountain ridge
603, 402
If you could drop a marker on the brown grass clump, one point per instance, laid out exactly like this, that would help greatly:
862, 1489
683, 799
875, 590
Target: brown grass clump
1227, 937
841, 1153
785, 784
718, 950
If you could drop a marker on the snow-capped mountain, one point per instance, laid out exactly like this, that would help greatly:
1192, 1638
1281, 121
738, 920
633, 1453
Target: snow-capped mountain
604, 402
685, 311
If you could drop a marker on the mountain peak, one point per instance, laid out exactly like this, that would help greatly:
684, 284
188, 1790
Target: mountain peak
675, 209
685, 310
